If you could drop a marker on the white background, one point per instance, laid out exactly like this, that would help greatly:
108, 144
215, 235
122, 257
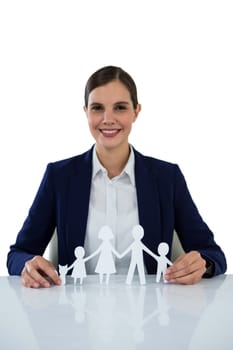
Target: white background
180, 53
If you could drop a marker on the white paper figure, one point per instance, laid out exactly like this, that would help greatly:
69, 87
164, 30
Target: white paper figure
78, 266
62, 272
105, 264
137, 248
163, 261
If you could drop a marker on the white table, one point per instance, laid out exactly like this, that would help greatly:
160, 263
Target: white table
117, 316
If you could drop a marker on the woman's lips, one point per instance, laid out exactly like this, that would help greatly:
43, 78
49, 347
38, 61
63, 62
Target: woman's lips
109, 132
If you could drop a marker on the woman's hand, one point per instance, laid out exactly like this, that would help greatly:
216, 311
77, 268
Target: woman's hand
187, 269
39, 272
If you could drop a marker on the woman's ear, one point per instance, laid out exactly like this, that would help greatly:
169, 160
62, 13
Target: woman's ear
137, 111
85, 110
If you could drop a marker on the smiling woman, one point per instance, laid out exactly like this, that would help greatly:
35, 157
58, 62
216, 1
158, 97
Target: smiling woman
113, 184
110, 113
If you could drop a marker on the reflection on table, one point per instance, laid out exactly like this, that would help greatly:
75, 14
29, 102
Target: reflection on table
117, 316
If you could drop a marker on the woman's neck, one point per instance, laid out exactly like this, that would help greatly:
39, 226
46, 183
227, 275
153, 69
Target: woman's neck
113, 160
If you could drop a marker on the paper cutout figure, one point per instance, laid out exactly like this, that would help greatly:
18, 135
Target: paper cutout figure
137, 248
78, 266
105, 264
62, 272
163, 261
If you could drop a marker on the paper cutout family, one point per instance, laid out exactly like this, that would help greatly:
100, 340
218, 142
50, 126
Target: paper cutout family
106, 265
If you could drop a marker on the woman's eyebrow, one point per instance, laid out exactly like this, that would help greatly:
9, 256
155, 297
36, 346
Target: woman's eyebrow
95, 103
122, 102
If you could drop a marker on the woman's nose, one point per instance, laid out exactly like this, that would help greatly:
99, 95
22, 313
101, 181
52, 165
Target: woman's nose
108, 117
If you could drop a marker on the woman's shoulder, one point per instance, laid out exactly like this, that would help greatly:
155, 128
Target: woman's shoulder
154, 162
72, 164
163, 171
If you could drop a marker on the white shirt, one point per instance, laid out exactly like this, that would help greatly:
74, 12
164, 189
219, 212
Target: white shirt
113, 202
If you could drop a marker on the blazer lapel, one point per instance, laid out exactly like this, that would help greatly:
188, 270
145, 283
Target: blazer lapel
78, 201
148, 204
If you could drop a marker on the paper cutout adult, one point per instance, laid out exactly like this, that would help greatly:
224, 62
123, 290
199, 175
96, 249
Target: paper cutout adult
163, 261
105, 264
137, 248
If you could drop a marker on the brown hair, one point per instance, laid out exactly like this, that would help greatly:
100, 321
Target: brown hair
106, 75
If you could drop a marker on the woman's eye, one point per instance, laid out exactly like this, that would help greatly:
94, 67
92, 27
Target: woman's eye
120, 108
96, 108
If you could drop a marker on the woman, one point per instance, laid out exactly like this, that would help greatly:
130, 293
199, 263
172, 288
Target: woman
113, 184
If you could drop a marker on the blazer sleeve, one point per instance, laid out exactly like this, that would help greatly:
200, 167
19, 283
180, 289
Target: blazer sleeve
38, 227
193, 232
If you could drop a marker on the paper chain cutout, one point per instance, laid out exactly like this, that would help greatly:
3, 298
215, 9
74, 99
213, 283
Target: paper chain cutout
106, 266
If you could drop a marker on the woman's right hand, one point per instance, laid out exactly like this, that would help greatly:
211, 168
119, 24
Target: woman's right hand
39, 272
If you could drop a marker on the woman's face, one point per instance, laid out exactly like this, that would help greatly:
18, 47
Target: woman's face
110, 115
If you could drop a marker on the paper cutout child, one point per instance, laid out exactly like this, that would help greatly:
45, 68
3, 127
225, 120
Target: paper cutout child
62, 272
163, 261
78, 266
105, 264
137, 248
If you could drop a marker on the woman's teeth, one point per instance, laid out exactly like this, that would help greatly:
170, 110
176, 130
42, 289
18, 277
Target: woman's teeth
109, 131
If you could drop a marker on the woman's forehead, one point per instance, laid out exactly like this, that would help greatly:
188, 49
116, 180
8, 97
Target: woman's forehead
111, 92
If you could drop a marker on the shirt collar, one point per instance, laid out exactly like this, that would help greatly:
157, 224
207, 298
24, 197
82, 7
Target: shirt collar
128, 169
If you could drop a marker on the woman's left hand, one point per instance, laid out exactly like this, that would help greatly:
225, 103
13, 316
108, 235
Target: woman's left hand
187, 269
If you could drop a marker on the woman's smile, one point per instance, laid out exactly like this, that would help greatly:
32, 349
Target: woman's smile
110, 132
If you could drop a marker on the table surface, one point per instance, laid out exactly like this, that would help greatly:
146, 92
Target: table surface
117, 316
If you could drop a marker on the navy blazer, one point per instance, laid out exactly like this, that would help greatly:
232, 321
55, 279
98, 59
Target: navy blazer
62, 202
